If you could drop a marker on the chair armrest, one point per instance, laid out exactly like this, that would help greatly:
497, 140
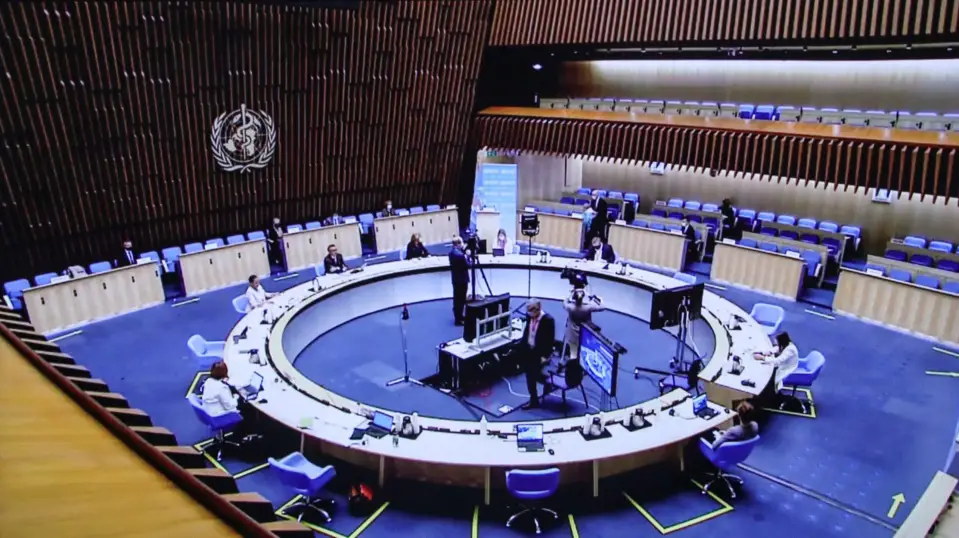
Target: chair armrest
215, 347
7, 301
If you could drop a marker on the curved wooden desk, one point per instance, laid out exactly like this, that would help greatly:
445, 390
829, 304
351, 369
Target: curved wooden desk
452, 451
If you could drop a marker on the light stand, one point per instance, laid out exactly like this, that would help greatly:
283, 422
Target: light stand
678, 363
529, 225
404, 316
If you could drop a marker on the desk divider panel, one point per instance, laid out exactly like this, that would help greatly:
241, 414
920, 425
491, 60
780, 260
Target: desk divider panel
555, 231
308, 247
55, 307
393, 233
224, 266
914, 308
770, 272
798, 245
655, 248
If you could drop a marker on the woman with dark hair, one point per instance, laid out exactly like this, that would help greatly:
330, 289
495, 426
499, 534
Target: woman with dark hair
785, 358
415, 248
503, 242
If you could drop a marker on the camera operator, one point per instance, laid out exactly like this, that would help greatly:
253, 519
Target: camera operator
579, 309
459, 272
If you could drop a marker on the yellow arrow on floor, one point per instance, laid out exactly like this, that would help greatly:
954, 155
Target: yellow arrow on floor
897, 500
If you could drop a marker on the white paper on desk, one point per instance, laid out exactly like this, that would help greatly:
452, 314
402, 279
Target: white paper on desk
793, 254
729, 241
874, 272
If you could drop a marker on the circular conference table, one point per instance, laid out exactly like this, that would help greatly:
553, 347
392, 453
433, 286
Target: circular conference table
453, 451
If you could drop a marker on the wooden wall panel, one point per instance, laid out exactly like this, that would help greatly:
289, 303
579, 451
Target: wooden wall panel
713, 22
107, 109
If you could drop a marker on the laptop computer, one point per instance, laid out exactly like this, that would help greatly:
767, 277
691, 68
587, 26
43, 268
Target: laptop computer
253, 387
381, 425
529, 438
498, 252
700, 409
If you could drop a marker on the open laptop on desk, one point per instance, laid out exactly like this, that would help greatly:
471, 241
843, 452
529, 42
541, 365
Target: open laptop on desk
529, 438
701, 408
253, 387
380, 426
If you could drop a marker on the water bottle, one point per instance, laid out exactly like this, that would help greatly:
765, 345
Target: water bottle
396, 440
484, 426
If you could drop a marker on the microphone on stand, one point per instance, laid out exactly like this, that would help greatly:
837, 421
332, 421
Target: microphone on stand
406, 313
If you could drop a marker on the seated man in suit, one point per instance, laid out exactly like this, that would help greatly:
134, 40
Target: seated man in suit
388, 210
692, 247
127, 257
536, 347
333, 262
599, 251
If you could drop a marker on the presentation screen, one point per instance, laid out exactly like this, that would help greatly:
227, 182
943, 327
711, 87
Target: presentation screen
598, 359
496, 189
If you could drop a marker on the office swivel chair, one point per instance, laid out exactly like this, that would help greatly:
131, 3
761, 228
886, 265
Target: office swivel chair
570, 378
530, 486
207, 352
727, 456
805, 375
241, 304
220, 426
306, 479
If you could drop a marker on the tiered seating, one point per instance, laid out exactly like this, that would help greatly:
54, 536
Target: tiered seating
914, 249
917, 274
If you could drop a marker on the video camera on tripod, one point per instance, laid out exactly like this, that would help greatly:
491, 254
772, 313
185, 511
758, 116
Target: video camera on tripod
577, 279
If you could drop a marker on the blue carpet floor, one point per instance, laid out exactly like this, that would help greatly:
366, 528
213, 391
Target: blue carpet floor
883, 426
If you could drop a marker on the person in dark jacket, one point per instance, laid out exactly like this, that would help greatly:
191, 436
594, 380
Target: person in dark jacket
536, 347
415, 248
600, 251
460, 274
127, 257
333, 262
692, 249
601, 219
274, 238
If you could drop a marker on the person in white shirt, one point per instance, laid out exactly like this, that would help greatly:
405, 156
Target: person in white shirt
220, 398
256, 295
579, 311
785, 358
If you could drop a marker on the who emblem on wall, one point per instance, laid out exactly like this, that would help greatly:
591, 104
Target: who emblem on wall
243, 140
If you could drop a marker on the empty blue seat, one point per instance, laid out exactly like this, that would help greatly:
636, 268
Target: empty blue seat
786, 219
190, 248
657, 226
832, 244
612, 212
927, 281
828, 226
379, 214
764, 112
769, 316
632, 196
14, 291
897, 255
812, 259
676, 215
416, 210
100, 267
584, 191
402, 212
712, 223
692, 204
948, 265
746, 111
171, 256
659, 212
548, 210
874, 267
567, 200
940, 246
235, 239
640, 223
900, 274
256, 235
44, 279
807, 223
855, 232
674, 227
766, 230
748, 217
766, 216
601, 193
615, 194
809, 238
150, 255
216, 242
769, 247
313, 225
789, 234
674, 202
921, 259
951, 286
695, 218
747, 242
711, 208
366, 222
914, 241
294, 228
433, 207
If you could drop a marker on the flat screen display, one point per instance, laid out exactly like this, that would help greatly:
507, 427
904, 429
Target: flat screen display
482, 309
598, 359
665, 306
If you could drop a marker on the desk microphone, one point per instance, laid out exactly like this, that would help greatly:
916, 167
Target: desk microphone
406, 313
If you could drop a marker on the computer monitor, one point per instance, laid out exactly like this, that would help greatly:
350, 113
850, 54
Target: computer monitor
382, 420
599, 358
529, 432
482, 309
699, 403
666, 305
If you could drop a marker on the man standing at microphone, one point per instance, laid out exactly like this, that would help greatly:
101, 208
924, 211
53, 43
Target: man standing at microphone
459, 272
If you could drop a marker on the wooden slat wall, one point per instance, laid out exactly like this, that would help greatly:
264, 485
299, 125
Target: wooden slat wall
910, 169
107, 109
687, 22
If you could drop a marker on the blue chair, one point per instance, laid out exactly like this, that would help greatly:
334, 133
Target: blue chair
241, 304
789, 234
529, 486
747, 242
812, 239
807, 223
712, 223
235, 239
940, 246
695, 218
951, 286
765, 112
366, 222
640, 223
658, 212
657, 226
900, 274
294, 228
674, 202
219, 426
320, 269
828, 226
433, 207
893, 254
615, 195
745, 112
256, 235
786, 219
584, 191
770, 231
874, 267
13, 290
769, 316
748, 216
190, 248
927, 281
948, 265
207, 353
632, 197
350, 219
711, 208
674, 228
803, 376
313, 225
100, 267
685, 277
150, 255
567, 200
305, 479
601, 193
726, 457
44, 279
769, 247
678, 215
914, 241
612, 212
855, 232
832, 244
812, 258
692, 204
379, 214
402, 212
416, 210
171, 256
546, 210
921, 259
766, 216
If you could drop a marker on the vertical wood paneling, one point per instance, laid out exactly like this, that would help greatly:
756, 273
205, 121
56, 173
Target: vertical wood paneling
107, 109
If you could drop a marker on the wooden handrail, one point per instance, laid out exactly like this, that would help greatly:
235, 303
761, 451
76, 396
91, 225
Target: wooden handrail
222, 508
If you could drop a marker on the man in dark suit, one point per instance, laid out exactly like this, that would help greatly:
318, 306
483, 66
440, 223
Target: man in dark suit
692, 250
127, 257
600, 251
729, 218
333, 262
388, 210
274, 240
601, 219
536, 347
460, 273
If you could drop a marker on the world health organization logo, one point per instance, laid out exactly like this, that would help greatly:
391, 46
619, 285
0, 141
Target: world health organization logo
243, 140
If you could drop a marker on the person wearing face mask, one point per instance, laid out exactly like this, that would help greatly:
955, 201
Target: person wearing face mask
127, 257
415, 248
274, 239
503, 242
600, 251
388, 210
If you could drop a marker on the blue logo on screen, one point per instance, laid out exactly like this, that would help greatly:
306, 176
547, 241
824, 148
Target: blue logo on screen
597, 360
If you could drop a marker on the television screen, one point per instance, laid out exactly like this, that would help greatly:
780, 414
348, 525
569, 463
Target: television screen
665, 308
599, 359
482, 309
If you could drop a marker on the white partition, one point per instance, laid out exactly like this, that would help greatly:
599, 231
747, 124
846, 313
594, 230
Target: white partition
556, 231
393, 233
223, 266
308, 247
649, 247
770, 272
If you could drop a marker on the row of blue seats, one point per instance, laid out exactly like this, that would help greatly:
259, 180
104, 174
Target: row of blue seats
920, 242
921, 259
811, 257
921, 280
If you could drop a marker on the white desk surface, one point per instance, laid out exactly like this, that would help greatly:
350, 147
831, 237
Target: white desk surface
291, 397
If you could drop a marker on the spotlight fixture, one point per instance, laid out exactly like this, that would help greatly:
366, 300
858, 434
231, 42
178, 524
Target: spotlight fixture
537, 67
